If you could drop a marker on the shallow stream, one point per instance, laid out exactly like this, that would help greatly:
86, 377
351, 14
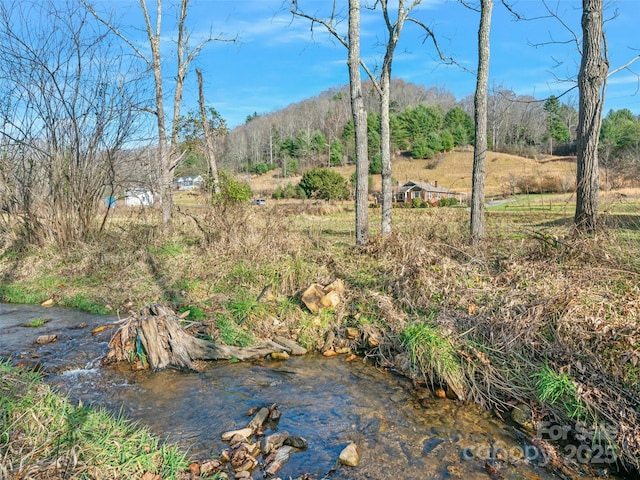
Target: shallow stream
328, 401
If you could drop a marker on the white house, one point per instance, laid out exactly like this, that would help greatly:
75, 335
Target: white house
188, 183
138, 197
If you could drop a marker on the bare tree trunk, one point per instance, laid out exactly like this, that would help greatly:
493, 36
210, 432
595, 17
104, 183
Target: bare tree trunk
360, 124
394, 29
357, 104
164, 149
480, 116
209, 151
385, 146
591, 80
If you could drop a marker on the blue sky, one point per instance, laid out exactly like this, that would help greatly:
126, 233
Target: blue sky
277, 61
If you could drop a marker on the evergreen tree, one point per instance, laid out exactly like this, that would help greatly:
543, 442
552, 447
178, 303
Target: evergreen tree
556, 129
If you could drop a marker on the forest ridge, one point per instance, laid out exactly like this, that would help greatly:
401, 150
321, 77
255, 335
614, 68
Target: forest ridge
318, 132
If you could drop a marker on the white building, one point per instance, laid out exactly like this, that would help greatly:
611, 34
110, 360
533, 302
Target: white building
189, 183
138, 197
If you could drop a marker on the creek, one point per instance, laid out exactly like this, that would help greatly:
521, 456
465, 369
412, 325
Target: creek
328, 401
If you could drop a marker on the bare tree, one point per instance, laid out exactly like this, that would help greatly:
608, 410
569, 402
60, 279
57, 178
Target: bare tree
480, 117
358, 112
394, 29
167, 154
381, 85
591, 85
209, 148
592, 77
65, 119
360, 122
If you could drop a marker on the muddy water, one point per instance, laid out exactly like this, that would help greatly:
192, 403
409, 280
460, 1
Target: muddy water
328, 401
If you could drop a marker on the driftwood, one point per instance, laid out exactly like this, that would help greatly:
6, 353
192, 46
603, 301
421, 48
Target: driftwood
155, 336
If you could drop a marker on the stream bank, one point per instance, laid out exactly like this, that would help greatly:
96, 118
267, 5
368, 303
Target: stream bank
327, 400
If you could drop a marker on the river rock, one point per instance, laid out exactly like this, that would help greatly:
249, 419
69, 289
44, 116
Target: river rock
330, 300
273, 442
296, 441
336, 286
521, 414
290, 345
194, 468
351, 333
311, 297
279, 459
243, 432
280, 356
274, 412
316, 296
350, 456
210, 467
42, 339
225, 456
259, 418
247, 466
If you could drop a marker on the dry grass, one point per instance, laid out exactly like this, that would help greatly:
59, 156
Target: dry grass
451, 170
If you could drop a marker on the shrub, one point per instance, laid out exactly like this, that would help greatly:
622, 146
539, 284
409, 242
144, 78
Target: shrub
290, 191
261, 168
324, 183
448, 202
434, 142
419, 203
336, 152
232, 191
447, 141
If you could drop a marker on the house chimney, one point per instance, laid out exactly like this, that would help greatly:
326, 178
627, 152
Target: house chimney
436, 184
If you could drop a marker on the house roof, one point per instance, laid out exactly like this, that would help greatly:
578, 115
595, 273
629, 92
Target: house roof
427, 187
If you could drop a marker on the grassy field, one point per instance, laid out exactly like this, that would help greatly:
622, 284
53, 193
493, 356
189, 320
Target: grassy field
451, 170
535, 315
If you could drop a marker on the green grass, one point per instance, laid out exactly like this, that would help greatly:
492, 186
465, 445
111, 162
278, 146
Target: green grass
83, 302
559, 389
21, 294
242, 306
171, 249
41, 432
196, 314
35, 322
233, 334
432, 354
241, 274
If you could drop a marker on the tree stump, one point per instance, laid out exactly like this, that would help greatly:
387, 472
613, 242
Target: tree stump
154, 334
